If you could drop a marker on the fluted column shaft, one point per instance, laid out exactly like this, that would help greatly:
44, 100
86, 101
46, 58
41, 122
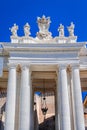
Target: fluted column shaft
79, 115
25, 100
11, 99
65, 123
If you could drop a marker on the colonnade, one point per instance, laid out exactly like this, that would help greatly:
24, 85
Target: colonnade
26, 110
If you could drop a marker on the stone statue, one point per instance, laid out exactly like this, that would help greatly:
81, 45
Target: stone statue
61, 30
71, 29
27, 29
14, 30
43, 25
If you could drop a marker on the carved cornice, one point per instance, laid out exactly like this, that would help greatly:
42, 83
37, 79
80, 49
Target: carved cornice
43, 47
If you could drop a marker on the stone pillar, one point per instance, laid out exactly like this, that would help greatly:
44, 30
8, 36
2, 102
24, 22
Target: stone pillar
32, 103
70, 98
64, 110
11, 99
17, 101
78, 106
25, 100
56, 109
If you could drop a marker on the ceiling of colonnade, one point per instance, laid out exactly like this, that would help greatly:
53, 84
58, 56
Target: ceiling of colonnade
44, 80
38, 77
49, 76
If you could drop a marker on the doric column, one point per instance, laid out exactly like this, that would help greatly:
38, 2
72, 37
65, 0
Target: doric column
70, 98
25, 100
78, 107
11, 99
56, 109
64, 110
32, 104
32, 107
17, 101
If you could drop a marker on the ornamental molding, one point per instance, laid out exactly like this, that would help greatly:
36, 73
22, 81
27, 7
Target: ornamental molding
49, 49
44, 61
45, 46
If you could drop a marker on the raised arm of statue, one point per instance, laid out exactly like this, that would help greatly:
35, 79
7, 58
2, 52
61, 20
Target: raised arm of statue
14, 30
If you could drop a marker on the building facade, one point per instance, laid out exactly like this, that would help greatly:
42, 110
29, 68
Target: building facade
47, 65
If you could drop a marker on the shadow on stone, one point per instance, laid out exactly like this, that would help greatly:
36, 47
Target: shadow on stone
48, 124
1, 125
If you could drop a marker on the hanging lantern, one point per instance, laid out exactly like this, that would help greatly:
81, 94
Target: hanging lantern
44, 107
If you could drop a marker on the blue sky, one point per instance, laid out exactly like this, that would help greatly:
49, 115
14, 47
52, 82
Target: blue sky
84, 94
60, 11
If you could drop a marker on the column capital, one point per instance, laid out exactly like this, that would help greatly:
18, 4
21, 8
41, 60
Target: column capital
62, 66
12, 65
25, 66
74, 66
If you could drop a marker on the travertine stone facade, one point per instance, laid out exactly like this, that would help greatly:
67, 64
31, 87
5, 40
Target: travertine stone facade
59, 61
